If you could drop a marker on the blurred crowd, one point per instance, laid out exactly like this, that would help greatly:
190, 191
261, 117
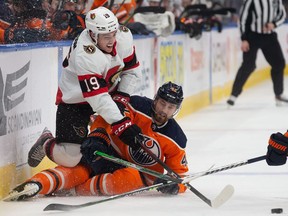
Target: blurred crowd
25, 21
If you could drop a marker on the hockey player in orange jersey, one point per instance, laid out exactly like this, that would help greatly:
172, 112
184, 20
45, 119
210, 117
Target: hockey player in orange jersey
123, 10
160, 133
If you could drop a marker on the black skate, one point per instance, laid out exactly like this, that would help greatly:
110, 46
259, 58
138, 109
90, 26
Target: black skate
281, 100
24, 191
36, 153
231, 100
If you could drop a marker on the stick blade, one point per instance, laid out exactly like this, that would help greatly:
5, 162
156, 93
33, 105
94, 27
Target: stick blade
59, 207
223, 197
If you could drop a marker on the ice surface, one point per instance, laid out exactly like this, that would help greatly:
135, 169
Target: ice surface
216, 136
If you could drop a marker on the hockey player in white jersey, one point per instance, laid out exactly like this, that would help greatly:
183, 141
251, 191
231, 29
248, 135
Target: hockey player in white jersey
99, 74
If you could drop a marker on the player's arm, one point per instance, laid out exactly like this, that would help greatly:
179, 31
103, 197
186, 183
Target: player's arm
245, 18
95, 91
281, 15
131, 74
176, 160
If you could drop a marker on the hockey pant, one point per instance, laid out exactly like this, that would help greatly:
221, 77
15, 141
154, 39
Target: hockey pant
78, 177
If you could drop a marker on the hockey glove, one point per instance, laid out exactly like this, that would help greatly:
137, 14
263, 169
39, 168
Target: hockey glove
172, 189
277, 149
97, 140
139, 28
121, 99
128, 133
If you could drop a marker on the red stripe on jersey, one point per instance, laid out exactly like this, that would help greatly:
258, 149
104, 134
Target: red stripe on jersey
133, 66
95, 92
92, 84
112, 75
59, 96
129, 58
88, 76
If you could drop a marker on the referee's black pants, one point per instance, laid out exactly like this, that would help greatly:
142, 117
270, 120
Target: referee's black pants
273, 54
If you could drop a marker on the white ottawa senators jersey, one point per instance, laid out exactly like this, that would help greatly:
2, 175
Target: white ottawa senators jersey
89, 73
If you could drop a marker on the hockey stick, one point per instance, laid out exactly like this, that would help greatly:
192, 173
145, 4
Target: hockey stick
227, 167
224, 195
67, 207
185, 179
64, 207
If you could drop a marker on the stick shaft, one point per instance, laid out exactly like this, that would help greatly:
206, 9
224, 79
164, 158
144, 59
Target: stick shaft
234, 165
69, 207
177, 177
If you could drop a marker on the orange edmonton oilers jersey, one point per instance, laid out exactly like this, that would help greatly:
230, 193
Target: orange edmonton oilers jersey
167, 142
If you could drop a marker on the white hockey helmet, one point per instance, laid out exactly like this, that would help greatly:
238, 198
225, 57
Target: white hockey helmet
101, 21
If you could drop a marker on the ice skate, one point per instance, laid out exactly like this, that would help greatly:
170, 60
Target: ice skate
231, 100
24, 191
36, 153
281, 100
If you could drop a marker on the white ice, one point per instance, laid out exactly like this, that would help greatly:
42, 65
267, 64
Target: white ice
216, 136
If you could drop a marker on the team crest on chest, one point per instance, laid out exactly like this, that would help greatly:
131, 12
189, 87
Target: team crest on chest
90, 49
141, 157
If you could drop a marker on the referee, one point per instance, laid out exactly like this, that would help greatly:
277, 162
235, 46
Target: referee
258, 19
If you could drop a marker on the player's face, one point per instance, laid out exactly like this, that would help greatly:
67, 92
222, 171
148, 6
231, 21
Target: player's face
163, 111
105, 42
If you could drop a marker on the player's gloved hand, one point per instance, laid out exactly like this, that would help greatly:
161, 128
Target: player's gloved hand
129, 133
139, 28
121, 99
172, 189
277, 149
97, 140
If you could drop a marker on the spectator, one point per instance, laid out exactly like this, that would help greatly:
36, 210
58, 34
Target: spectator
122, 10
54, 6
66, 23
6, 13
6, 18
29, 23
80, 7
46, 5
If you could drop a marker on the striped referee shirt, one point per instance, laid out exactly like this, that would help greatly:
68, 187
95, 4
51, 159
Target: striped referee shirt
255, 14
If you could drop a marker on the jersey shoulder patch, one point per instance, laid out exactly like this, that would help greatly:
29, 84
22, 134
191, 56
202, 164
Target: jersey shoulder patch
90, 49
123, 28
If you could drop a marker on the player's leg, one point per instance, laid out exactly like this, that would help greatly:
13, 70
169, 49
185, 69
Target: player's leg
50, 181
71, 130
117, 182
247, 67
273, 54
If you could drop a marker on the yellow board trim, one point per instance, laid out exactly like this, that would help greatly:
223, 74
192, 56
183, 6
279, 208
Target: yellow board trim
7, 179
12, 176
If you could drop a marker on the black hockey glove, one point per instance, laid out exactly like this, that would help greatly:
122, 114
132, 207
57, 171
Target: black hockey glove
277, 149
139, 28
172, 189
129, 133
97, 140
121, 99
